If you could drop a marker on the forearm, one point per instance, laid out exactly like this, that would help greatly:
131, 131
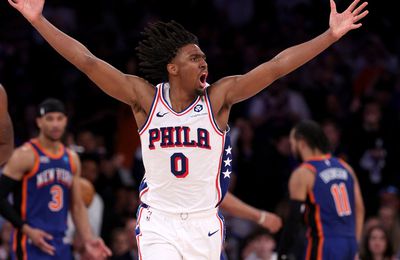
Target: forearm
291, 229
7, 185
293, 57
359, 224
66, 46
238, 208
81, 221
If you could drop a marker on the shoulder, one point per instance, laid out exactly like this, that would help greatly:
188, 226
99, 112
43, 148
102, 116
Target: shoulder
75, 160
74, 155
24, 152
302, 176
22, 160
304, 171
222, 85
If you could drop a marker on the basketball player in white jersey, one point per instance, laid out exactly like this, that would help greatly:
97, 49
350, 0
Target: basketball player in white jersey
6, 129
183, 123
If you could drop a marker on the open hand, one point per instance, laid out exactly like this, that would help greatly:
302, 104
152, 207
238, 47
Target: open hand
341, 23
39, 238
95, 249
30, 9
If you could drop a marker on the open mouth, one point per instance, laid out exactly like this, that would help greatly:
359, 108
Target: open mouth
203, 80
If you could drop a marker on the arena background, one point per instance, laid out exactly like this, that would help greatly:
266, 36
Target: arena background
353, 89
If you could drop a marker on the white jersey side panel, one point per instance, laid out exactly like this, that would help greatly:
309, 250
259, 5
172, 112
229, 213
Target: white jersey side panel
187, 167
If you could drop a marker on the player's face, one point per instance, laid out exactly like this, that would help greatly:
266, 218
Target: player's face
294, 145
191, 67
52, 125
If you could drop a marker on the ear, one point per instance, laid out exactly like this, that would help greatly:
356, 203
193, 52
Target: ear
301, 143
172, 69
38, 122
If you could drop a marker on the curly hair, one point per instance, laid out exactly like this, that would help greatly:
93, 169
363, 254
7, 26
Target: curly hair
160, 45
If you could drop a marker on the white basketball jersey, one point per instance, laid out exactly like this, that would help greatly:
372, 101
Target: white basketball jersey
187, 159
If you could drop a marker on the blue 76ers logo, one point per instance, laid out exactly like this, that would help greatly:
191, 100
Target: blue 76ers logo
198, 108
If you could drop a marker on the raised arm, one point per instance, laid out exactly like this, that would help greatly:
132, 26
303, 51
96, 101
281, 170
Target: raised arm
237, 88
6, 129
112, 81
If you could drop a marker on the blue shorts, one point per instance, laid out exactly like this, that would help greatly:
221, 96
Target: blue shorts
331, 248
23, 249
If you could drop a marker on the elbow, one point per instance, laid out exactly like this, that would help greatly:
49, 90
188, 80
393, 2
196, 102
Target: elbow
87, 63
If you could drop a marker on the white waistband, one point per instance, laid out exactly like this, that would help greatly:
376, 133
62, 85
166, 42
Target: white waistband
185, 215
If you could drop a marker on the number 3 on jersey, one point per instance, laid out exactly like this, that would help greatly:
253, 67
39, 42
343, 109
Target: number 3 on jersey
179, 165
341, 198
57, 194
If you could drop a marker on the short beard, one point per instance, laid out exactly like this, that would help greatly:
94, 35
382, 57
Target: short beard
52, 138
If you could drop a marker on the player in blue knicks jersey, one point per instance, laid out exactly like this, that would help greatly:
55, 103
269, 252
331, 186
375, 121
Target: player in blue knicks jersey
183, 123
43, 177
328, 187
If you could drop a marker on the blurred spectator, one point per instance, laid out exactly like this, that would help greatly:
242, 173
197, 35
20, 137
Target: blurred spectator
377, 245
371, 153
259, 246
334, 135
130, 227
389, 197
120, 244
5, 234
390, 221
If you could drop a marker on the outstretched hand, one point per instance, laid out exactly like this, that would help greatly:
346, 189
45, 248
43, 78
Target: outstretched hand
341, 23
30, 9
95, 249
272, 222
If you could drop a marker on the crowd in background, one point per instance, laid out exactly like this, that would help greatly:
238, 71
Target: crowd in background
352, 89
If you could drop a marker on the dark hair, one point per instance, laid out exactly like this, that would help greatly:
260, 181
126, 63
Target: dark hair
313, 134
160, 45
367, 254
51, 105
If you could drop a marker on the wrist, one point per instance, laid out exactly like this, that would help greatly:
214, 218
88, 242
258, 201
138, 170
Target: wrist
333, 37
263, 216
25, 228
35, 21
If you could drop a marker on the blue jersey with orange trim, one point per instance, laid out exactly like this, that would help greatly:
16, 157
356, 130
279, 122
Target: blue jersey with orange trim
46, 190
330, 205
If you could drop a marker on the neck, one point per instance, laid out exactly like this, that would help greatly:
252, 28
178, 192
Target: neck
180, 98
308, 154
49, 145
378, 257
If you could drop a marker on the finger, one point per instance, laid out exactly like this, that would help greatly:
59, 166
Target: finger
356, 26
49, 249
47, 236
360, 8
105, 248
352, 6
333, 6
360, 16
